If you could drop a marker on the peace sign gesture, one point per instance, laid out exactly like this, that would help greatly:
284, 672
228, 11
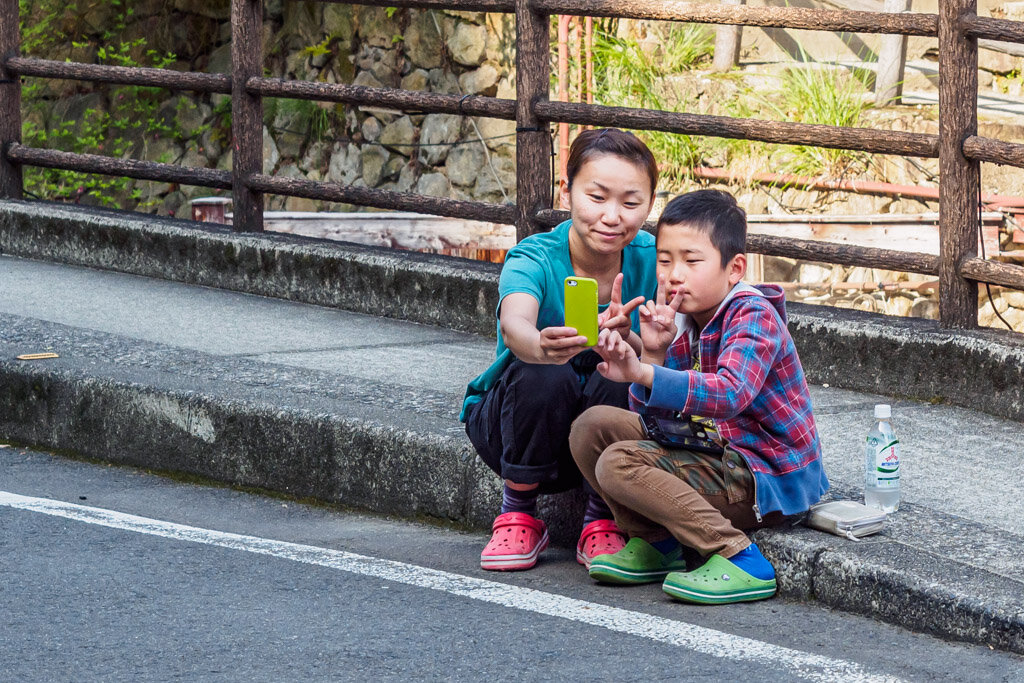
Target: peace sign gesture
616, 317
658, 321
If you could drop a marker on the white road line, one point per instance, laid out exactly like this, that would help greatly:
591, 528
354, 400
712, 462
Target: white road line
695, 638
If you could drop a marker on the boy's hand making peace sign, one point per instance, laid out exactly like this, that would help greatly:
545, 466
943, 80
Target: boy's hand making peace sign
658, 324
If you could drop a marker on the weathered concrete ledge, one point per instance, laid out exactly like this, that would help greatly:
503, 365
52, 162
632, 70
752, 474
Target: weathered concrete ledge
381, 460
906, 357
437, 290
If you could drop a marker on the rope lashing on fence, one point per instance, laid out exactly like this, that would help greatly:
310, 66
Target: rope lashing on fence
981, 244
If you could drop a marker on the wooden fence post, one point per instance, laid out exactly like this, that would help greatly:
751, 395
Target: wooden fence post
246, 112
727, 43
10, 100
959, 177
533, 137
892, 60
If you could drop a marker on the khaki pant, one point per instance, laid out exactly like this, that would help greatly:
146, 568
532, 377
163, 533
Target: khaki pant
702, 500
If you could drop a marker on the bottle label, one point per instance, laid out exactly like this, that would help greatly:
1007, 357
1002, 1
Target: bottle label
887, 462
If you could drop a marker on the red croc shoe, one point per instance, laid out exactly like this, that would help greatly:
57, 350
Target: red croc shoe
516, 540
600, 537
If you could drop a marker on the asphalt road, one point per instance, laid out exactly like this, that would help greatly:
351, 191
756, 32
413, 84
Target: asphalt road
115, 574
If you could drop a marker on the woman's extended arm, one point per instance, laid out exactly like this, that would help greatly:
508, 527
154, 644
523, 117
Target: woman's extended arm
550, 346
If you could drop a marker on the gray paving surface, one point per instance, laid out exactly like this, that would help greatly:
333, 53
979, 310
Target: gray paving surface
71, 589
961, 482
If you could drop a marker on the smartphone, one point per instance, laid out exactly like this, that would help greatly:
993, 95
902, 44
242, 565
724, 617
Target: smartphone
581, 307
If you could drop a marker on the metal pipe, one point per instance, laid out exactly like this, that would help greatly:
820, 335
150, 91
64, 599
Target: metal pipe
589, 51
563, 92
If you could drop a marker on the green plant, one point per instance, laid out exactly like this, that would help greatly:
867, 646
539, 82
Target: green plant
119, 120
632, 72
822, 94
299, 116
324, 48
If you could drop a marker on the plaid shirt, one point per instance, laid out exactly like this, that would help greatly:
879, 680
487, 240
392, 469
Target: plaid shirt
753, 386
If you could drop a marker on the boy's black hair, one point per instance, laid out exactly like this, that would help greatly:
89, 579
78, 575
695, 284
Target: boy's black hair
714, 213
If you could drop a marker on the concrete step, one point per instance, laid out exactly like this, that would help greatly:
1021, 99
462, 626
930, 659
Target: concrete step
361, 410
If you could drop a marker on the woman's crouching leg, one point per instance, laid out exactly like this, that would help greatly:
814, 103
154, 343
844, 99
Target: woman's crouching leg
596, 429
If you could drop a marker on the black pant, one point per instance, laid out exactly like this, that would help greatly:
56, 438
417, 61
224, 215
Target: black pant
521, 427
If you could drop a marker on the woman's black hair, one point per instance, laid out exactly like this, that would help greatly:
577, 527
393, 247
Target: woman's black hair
591, 143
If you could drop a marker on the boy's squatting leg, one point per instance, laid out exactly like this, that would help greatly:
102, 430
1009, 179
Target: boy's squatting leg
605, 445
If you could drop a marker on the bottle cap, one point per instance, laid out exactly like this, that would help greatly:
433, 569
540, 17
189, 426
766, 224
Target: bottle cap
883, 411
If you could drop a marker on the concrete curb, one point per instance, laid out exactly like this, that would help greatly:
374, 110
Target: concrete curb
902, 357
330, 456
338, 459
889, 578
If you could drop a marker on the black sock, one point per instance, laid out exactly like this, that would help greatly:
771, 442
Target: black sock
596, 507
519, 501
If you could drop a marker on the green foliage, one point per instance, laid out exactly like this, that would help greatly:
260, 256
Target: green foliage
642, 70
123, 118
631, 72
297, 116
323, 48
823, 94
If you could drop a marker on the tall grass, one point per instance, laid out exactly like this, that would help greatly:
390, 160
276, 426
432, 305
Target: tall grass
824, 94
632, 73
637, 69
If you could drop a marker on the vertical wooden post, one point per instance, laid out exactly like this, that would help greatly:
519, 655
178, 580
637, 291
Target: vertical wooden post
246, 112
892, 60
10, 99
533, 138
727, 44
959, 177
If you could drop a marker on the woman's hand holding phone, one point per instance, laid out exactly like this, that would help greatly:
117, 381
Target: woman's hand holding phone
559, 345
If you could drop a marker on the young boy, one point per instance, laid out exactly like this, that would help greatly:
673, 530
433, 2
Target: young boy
716, 352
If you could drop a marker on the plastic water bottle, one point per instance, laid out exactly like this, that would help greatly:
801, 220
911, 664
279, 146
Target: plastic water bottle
882, 463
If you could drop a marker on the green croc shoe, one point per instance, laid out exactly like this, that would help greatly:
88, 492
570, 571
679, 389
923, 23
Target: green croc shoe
717, 582
638, 562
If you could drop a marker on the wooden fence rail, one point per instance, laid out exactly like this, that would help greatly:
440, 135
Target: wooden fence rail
121, 75
917, 24
126, 168
781, 132
406, 100
958, 147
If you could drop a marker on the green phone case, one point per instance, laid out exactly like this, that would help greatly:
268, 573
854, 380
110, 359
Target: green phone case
581, 306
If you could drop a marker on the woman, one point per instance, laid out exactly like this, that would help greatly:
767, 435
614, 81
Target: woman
519, 411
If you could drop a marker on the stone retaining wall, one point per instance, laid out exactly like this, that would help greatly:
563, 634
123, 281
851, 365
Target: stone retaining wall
433, 50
